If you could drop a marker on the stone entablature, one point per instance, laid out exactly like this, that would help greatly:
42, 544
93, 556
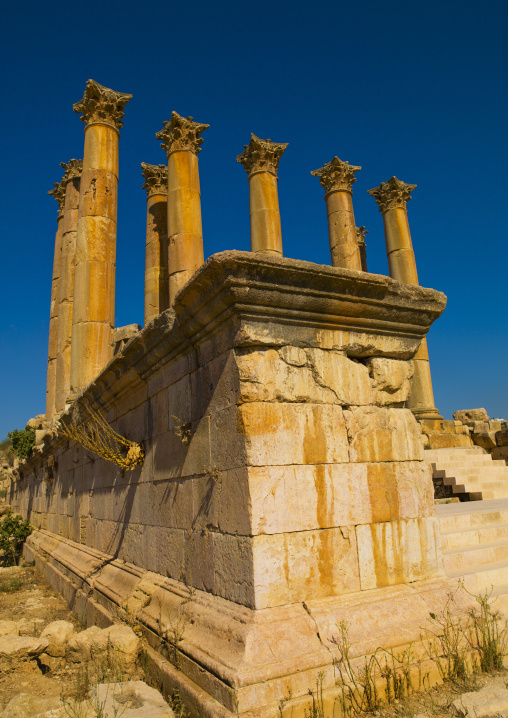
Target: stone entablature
281, 469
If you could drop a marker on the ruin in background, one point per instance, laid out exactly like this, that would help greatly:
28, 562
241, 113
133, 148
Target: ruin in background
280, 484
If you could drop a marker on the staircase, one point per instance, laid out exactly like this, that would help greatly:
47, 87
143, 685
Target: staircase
471, 470
474, 539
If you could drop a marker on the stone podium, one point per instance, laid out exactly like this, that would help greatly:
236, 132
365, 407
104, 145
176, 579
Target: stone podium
283, 489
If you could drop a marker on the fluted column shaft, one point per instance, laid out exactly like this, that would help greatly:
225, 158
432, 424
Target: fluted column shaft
156, 252
58, 193
261, 161
66, 294
181, 138
337, 178
392, 198
94, 281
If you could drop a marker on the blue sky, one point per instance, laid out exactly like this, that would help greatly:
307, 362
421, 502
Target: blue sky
416, 90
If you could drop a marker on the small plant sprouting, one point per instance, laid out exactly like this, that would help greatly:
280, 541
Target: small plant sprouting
183, 429
488, 634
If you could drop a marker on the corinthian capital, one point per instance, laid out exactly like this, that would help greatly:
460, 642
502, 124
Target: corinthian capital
360, 234
336, 176
100, 104
392, 194
156, 179
72, 169
181, 134
58, 192
261, 155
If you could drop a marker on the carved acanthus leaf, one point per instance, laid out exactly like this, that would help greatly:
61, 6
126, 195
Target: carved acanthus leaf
181, 134
360, 234
392, 194
72, 168
58, 192
261, 155
100, 104
336, 176
156, 179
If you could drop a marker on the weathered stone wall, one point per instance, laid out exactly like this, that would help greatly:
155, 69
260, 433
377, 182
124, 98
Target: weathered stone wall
281, 467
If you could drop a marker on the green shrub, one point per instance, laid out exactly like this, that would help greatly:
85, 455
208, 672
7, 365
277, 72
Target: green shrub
22, 441
14, 530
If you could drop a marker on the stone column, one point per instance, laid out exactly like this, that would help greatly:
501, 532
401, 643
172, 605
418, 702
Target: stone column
181, 139
337, 179
362, 246
58, 192
71, 182
261, 161
94, 283
392, 198
156, 254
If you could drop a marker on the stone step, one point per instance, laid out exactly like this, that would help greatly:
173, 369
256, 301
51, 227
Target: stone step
455, 451
478, 579
474, 536
489, 463
472, 556
475, 515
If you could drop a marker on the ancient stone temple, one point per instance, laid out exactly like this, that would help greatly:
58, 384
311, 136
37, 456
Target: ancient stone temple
272, 482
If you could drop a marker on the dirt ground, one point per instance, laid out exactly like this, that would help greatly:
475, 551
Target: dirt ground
34, 601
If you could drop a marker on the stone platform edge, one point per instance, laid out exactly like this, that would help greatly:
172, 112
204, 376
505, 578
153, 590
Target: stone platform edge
233, 660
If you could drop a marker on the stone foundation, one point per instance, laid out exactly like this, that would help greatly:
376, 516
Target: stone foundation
283, 487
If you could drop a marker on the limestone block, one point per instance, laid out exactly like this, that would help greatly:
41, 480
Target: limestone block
469, 416
302, 498
398, 552
293, 374
495, 425
502, 437
79, 647
123, 643
26, 705
485, 439
58, 634
277, 434
131, 699
492, 700
304, 565
182, 451
215, 385
391, 379
200, 555
163, 550
379, 434
15, 649
500, 452
233, 569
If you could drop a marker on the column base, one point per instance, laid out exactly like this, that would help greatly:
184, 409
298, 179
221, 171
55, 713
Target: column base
427, 413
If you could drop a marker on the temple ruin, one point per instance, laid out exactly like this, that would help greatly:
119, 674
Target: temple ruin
280, 485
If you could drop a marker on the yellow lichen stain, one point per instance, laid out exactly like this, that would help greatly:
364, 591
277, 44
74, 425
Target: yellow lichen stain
326, 560
324, 502
387, 551
379, 493
314, 442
